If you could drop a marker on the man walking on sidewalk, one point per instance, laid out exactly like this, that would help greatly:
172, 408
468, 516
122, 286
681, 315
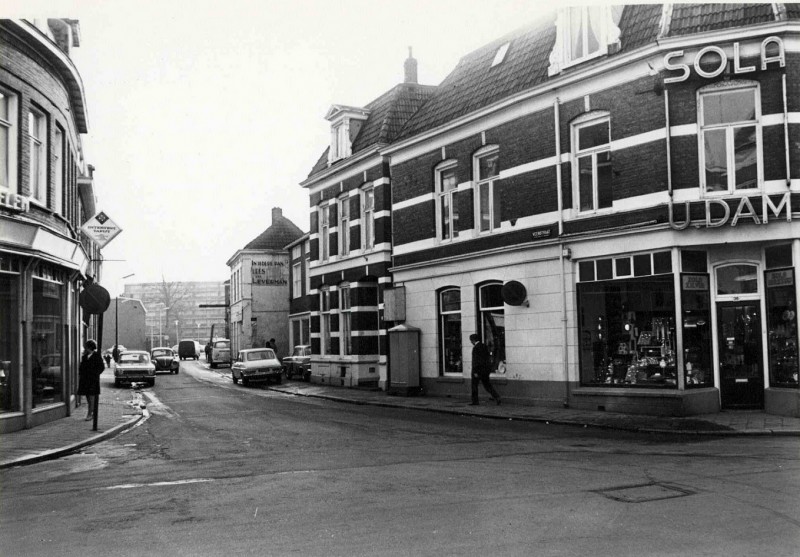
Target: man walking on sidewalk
481, 369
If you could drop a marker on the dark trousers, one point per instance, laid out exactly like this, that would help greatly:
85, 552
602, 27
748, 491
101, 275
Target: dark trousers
484, 380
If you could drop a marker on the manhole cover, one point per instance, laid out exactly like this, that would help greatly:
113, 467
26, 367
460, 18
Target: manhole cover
644, 492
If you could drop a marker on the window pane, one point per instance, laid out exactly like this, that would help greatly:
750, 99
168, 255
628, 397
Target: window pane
495, 207
485, 223
494, 337
448, 179
454, 213
662, 262
3, 107
488, 167
604, 269
491, 296
445, 217
744, 148
4, 155
642, 265
451, 300
451, 343
344, 209
585, 183
729, 106
592, 136
586, 271
623, 266
737, 279
693, 261
595, 15
10, 379
779, 256
716, 160
782, 323
605, 194
576, 32
47, 384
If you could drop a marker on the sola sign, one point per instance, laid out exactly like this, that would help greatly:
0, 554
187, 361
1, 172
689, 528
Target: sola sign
101, 229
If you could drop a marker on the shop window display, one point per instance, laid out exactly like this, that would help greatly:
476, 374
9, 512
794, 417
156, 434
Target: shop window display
450, 330
696, 307
9, 343
782, 328
47, 342
628, 332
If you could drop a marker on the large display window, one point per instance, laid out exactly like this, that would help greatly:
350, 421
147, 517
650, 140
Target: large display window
450, 331
782, 328
696, 323
628, 328
47, 342
9, 341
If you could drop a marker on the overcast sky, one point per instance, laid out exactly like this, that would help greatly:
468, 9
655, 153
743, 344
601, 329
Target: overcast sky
203, 115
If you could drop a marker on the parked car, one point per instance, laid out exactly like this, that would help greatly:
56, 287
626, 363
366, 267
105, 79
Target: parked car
175, 348
165, 359
134, 366
220, 352
299, 363
256, 365
189, 349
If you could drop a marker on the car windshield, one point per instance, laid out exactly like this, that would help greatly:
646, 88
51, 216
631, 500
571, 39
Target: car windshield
260, 355
222, 344
164, 352
134, 359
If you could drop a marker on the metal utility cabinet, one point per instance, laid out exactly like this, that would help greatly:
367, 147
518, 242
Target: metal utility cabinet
404, 360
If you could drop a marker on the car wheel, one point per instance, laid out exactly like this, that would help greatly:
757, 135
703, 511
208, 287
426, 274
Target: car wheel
152, 382
213, 365
288, 371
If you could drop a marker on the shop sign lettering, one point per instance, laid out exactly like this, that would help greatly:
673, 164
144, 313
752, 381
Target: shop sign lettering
15, 201
780, 278
269, 273
695, 282
744, 210
716, 55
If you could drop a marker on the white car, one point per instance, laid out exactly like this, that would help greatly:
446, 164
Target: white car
220, 352
256, 365
134, 366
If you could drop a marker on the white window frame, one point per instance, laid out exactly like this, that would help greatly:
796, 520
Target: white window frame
592, 152
490, 183
307, 265
368, 218
325, 320
297, 279
451, 198
345, 321
344, 226
729, 127
481, 309
442, 315
324, 232
37, 168
10, 126
58, 166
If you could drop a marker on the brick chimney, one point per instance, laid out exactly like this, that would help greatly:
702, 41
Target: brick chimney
276, 213
410, 68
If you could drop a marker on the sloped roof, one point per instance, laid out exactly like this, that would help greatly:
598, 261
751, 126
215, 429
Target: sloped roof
387, 115
281, 232
475, 84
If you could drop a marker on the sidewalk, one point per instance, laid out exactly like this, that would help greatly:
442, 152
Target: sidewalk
121, 409
118, 410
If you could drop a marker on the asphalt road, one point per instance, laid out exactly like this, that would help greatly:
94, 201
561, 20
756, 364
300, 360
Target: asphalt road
219, 469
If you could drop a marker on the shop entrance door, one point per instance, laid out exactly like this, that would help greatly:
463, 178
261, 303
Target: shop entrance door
740, 355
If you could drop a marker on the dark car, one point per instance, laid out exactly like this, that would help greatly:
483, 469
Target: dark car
165, 359
188, 349
299, 363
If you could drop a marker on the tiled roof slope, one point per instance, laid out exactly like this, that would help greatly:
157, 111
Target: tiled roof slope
475, 84
696, 18
279, 234
387, 115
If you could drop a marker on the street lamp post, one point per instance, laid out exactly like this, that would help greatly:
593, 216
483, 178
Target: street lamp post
116, 316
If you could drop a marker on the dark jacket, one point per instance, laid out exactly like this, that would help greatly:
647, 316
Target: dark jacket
89, 374
481, 360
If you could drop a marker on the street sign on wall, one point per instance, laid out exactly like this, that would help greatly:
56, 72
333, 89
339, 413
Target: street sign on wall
101, 229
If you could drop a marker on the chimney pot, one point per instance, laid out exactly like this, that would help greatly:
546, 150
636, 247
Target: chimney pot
410, 68
276, 212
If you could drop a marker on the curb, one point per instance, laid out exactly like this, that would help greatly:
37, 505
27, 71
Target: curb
67, 449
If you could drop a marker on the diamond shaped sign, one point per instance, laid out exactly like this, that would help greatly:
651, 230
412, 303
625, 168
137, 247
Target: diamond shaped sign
101, 229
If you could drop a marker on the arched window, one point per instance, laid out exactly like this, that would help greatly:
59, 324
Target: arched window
450, 331
737, 279
491, 323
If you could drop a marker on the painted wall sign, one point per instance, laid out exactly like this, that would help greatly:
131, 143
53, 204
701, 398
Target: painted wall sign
695, 282
269, 273
715, 55
15, 201
744, 210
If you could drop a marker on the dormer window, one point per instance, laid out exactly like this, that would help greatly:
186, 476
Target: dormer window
346, 122
500, 55
583, 33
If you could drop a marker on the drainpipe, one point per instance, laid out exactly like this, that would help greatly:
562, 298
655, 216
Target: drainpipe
562, 250
786, 134
669, 145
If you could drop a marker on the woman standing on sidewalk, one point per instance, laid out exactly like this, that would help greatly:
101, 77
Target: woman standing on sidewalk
89, 374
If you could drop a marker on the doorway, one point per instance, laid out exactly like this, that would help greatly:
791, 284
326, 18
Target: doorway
741, 362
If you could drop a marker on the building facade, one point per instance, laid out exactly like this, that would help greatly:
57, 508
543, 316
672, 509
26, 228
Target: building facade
350, 235
174, 312
300, 298
259, 287
607, 199
46, 194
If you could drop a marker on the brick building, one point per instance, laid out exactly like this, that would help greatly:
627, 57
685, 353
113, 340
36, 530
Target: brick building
607, 197
46, 194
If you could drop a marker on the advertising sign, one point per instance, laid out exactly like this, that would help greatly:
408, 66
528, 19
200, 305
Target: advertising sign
101, 229
269, 272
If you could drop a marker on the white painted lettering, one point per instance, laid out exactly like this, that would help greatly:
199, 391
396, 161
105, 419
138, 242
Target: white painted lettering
767, 206
712, 223
737, 67
780, 57
772, 51
723, 62
751, 212
682, 67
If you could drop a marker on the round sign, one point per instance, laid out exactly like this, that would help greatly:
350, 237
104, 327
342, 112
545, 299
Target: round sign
94, 299
514, 293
